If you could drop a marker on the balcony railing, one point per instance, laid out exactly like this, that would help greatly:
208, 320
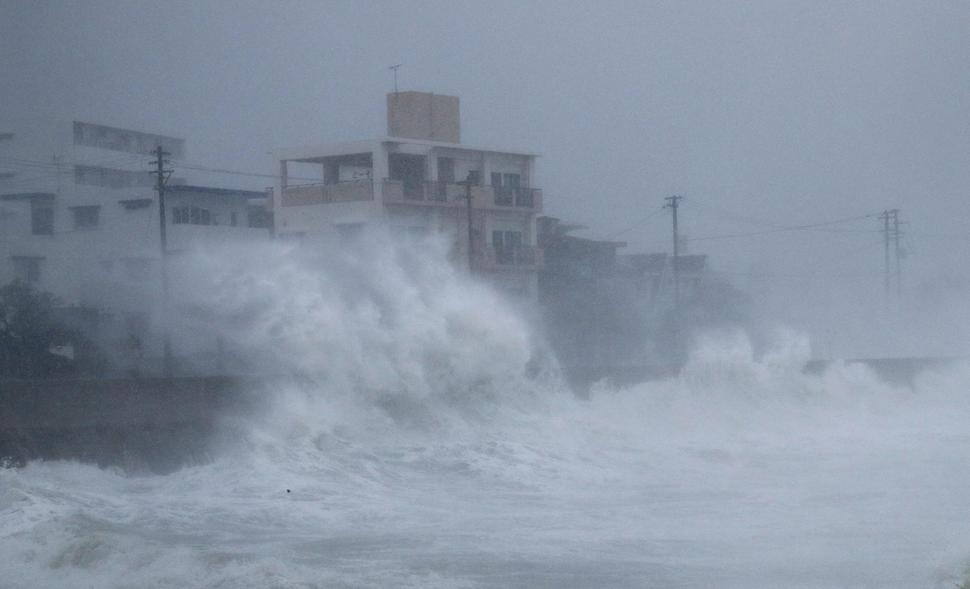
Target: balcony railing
312, 194
523, 256
417, 192
516, 196
436, 192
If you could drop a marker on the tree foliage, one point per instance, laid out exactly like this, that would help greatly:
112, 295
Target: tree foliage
29, 332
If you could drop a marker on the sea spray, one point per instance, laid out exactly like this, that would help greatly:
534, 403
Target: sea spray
424, 448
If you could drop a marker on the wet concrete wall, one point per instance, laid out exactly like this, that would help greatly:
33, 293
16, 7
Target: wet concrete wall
140, 424
158, 424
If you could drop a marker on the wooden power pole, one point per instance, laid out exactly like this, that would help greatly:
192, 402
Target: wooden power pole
160, 181
468, 208
673, 202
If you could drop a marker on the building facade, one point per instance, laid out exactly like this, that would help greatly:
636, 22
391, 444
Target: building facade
79, 218
419, 179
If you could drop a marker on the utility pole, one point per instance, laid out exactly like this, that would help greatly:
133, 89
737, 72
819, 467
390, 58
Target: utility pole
161, 179
885, 240
890, 233
394, 68
899, 267
672, 203
468, 207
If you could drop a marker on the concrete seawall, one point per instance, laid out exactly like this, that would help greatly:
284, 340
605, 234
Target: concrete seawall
158, 425
150, 424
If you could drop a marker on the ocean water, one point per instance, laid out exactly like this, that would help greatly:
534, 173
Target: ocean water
438, 449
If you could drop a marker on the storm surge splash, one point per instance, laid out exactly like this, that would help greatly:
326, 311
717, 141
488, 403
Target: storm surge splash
431, 444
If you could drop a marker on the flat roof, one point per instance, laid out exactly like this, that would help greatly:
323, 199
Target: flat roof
213, 190
455, 146
368, 145
128, 130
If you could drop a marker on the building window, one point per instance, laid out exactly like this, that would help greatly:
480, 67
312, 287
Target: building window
6, 136
86, 217
259, 218
42, 220
125, 140
507, 244
192, 216
27, 268
199, 216
133, 204
233, 221
446, 169
506, 187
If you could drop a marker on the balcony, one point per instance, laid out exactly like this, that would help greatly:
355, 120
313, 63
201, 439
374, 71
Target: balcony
512, 258
519, 197
314, 194
453, 193
427, 193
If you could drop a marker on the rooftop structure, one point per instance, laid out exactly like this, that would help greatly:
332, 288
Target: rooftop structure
419, 179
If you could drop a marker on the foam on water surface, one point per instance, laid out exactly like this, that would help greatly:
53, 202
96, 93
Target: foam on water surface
432, 452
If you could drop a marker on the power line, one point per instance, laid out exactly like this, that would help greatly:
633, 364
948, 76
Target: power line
39, 171
852, 254
782, 229
762, 223
189, 166
241, 173
636, 224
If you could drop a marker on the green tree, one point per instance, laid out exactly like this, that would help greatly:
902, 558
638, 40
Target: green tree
29, 331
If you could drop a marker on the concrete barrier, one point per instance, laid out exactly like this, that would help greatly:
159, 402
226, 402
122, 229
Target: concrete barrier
153, 424
158, 424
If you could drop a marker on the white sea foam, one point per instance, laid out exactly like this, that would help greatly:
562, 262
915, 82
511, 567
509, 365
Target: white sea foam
435, 451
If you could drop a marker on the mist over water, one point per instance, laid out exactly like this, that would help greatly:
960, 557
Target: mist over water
432, 443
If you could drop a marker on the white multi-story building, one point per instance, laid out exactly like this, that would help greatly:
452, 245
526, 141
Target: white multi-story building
414, 181
79, 218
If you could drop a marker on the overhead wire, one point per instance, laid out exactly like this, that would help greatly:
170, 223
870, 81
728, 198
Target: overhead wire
784, 228
636, 224
39, 170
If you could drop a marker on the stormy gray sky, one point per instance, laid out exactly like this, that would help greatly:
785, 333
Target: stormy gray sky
763, 114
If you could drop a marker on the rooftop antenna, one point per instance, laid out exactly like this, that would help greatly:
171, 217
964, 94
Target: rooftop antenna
394, 69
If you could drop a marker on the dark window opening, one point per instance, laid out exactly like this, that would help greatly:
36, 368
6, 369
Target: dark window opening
410, 170
42, 220
259, 218
192, 216
86, 217
446, 170
506, 188
508, 245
